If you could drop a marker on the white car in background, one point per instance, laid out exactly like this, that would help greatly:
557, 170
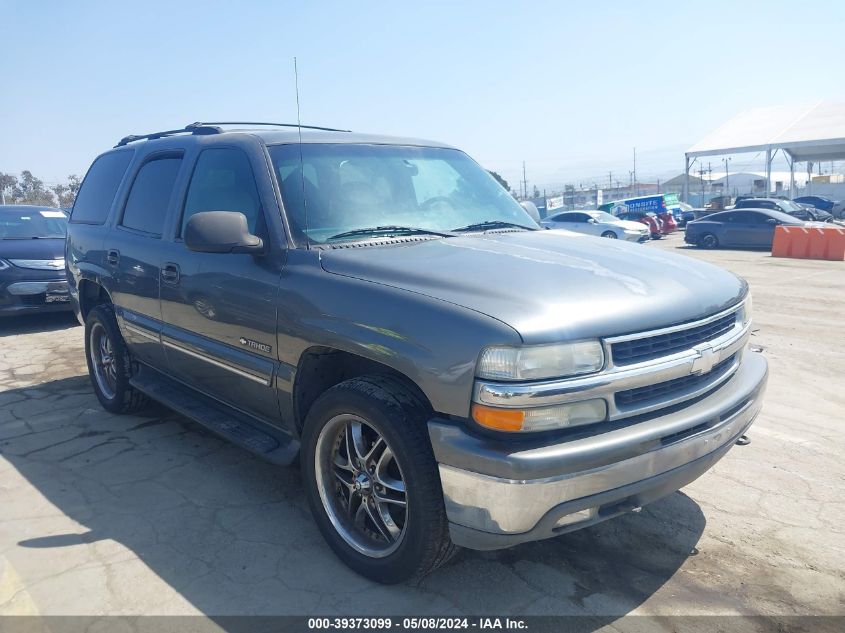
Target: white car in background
598, 223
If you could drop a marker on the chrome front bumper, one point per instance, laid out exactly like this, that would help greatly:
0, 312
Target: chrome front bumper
498, 495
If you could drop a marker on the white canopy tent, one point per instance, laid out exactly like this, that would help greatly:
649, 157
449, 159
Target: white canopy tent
804, 133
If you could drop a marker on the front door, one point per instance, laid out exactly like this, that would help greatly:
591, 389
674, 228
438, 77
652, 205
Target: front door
741, 230
219, 309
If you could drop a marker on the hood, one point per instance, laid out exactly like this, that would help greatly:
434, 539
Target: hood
549, 285
44, 248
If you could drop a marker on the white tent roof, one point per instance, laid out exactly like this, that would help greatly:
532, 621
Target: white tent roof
806, 132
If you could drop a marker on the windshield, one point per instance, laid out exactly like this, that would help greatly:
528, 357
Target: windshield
789, 205
602, 216
27, 224
352, 189
784, 217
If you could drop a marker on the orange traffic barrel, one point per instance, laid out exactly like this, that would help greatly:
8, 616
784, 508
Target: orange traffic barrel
835, 243
816, 243
810, 242
780, 244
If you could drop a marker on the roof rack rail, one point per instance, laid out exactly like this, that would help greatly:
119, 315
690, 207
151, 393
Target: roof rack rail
200, 128
305, 127
188, 129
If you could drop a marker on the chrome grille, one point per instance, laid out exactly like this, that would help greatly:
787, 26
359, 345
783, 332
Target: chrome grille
648, 348
671, 388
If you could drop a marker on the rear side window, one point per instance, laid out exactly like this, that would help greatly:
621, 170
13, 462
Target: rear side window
223, 181
146, 208
99, 187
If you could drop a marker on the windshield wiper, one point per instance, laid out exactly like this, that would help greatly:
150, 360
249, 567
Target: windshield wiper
492, 224
388, 230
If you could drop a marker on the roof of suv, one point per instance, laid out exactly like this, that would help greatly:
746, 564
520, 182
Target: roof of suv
283, 133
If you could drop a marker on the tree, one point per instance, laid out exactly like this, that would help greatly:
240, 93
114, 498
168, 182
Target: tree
500, 180
66, 194
536, 192
74, 182
8, 182
63, 195
31, 190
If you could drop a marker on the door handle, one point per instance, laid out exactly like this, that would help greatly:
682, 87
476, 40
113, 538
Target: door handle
170, 273
113, 257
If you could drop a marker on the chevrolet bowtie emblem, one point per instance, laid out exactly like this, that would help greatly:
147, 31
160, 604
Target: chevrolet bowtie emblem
705, 361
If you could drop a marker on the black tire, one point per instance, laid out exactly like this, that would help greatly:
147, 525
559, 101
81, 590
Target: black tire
708, 241
389, 407
609, 235
124, 397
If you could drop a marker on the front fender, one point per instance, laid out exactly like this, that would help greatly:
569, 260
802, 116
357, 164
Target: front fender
432, 342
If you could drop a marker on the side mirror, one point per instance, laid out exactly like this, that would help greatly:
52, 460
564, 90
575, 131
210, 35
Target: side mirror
221, 232
531, 209
592, 221
772, 221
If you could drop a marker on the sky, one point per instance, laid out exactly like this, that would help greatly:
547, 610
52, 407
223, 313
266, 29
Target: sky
568, 87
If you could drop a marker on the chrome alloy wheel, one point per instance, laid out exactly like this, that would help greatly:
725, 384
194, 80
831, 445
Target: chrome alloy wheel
361, 485
102, 360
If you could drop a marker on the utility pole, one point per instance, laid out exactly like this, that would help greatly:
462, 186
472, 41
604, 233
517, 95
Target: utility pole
635, 172
709, 178
609, 181
701, 178
727, 177
524, 182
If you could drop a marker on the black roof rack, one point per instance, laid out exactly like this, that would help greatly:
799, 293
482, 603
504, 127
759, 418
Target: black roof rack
212, 128
305, 127
188, 129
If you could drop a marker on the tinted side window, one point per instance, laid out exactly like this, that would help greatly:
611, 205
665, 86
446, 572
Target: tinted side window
223, 181
743, 217
97, 192
146, 207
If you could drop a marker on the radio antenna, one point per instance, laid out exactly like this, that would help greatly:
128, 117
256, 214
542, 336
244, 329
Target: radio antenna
301, 162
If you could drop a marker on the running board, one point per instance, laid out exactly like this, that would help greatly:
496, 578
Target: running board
270, 443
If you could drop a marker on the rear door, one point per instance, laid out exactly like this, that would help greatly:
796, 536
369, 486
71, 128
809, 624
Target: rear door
219, 309
133, 254
743, 228
574, 222
731, 230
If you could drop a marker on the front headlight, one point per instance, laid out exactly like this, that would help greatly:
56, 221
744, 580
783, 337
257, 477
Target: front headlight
746, 310
4, 265
540, 362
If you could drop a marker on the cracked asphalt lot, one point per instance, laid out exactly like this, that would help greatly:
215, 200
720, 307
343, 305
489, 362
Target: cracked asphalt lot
151, 514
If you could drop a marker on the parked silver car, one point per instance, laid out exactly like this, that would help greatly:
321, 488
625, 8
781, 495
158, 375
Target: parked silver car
599, 223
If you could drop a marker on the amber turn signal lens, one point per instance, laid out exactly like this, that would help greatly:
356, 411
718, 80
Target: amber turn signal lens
498, 419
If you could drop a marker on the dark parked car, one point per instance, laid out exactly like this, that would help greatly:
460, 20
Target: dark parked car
381, 311
32, 262
800, 211
751, 228
834, 207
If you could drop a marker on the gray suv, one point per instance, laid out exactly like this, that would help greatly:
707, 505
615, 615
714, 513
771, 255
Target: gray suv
447, 373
